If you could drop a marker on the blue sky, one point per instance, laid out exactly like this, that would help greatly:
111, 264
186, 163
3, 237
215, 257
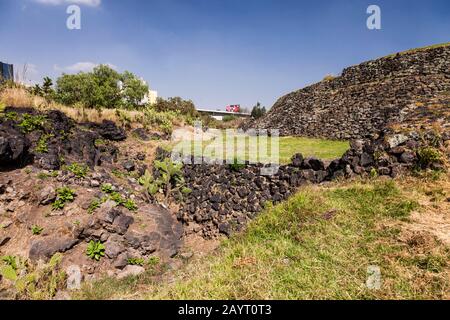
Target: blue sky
215, 52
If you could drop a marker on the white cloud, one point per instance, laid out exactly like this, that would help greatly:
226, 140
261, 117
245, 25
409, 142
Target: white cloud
81, 67
90, 3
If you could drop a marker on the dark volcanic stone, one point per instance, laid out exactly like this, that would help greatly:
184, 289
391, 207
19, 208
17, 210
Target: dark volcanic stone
129, 165
13, 146
122, 222
297, 160
82, 146
141, 133
313, 163
225, 229
408, 157
60, 123
45, 249
109, 130
366, 159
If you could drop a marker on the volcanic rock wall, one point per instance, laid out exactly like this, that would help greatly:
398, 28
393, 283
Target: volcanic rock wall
224, 199
365, 98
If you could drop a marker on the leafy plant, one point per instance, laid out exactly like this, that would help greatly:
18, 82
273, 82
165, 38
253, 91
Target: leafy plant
13, 116
44, 175
8, 273
153, 261
130, 205
136, 261
95, 250
80, 171
31, 123
10, 261
37, 282
42, 145
65, 194
106, 188
149, 183
9, 268
169, 178
428, 155
94, 205
373, 173
36, 230
99, 89
117, 198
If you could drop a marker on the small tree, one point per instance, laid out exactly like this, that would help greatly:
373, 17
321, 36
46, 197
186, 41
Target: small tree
134, 90
258, 111
100, 89
177, 104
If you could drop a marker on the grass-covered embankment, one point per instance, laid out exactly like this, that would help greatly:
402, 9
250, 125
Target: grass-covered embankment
317, 245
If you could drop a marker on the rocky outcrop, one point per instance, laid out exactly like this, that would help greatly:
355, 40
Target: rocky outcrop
55, 141
14, 146
365, 98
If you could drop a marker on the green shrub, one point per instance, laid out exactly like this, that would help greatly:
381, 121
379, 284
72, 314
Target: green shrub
94, 205
258, 111
95, 250
65, 194
136, 261
99, 89
163, 120
170, 178
428, 155
130, 205
31, 123
153, 261
36, 230
13, 116
10, 261
35, 282
99, 143
117, 198
124, 119
176, 105
373, 173
42, 145
106, 188
80, 171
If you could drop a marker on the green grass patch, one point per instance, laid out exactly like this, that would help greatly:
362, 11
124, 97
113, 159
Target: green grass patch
248, 148
317, 245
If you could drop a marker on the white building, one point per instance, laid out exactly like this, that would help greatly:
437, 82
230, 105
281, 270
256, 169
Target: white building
152, 95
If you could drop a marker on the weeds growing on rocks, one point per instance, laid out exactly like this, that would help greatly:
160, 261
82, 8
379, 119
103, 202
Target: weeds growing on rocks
65, 194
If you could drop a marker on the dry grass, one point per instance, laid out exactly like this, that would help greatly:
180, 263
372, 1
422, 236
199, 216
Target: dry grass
19, 97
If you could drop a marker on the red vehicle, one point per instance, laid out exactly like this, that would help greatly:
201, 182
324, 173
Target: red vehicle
234, 108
